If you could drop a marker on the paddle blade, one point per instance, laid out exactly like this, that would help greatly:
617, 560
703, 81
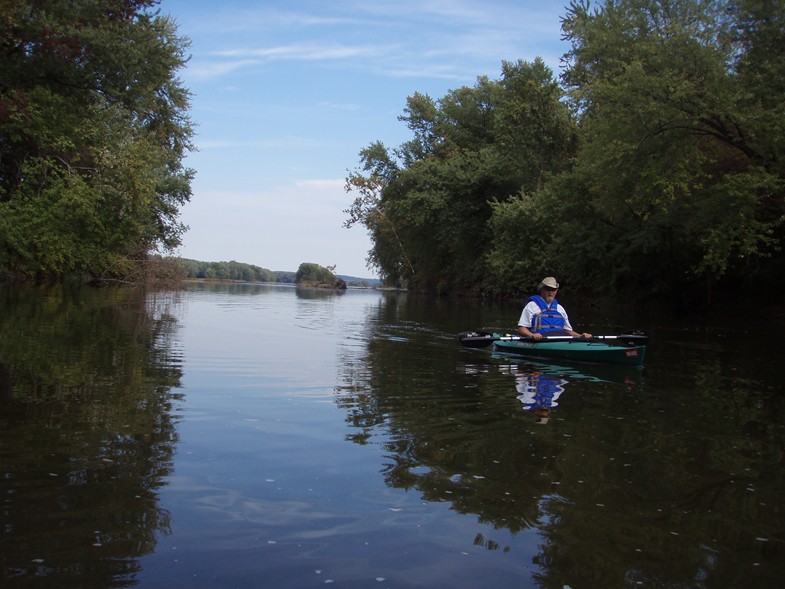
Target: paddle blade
476, 339
635, 338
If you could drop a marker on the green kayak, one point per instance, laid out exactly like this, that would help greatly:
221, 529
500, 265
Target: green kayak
621, 350
595, 352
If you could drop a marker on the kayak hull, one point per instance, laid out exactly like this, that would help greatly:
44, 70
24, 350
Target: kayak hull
576, 351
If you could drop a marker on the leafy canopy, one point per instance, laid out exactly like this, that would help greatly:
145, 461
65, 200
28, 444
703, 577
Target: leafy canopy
426, 204
93, 132
311, 273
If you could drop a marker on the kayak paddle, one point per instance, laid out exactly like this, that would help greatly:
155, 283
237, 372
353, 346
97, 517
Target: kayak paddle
481, 339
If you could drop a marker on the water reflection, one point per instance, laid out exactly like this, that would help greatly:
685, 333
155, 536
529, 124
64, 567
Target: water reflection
87, 432
538, 391
633, 482
539, 385
232, 288
445, 481
474, 443
312, 293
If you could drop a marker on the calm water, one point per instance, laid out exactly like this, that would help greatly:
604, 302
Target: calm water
264, 436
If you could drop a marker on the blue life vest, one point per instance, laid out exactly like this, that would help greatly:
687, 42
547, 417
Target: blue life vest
547, 388
548, 320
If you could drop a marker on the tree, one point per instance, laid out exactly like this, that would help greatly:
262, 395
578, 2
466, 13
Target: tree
427, 203
93, 132
378, 168
311, 273
681, 108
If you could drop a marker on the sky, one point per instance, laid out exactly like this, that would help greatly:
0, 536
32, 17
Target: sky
285, 94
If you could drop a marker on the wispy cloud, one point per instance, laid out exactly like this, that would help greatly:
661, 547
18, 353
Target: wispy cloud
223, 62
267, 19
409, 38
272, 143
312, 51
201, 69
447, 14
424, 70
445, 11
337, 106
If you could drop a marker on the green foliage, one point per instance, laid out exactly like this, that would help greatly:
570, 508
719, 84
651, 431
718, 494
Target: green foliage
311, 273
660, 171
682, 141
226, 271
93, 131
512, 263
426, 204
378, 169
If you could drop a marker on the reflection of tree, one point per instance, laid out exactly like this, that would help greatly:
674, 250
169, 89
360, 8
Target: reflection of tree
233, 288
450, 447
629, 486
86, 432
312, 292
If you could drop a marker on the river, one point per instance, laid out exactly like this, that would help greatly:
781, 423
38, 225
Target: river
244, 436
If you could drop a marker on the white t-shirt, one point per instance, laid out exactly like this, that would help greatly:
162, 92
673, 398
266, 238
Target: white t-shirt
531, 309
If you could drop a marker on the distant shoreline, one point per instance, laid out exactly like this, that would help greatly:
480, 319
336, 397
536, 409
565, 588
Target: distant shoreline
291, 284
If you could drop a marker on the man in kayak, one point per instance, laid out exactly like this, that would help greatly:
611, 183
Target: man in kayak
543, 315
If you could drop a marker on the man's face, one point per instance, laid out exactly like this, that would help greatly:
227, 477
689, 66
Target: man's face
549, 294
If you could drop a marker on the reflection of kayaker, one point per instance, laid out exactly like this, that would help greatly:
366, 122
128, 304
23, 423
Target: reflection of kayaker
538, 393
631, 376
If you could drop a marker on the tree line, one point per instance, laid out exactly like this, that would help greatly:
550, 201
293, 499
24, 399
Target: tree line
652, 166
225, 271
308, 273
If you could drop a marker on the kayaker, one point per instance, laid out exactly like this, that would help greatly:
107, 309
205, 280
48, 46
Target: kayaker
543, 315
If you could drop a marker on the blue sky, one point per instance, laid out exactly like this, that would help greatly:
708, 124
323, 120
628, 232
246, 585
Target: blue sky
286, 94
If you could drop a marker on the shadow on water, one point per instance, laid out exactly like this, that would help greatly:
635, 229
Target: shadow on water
670, 476
87, 432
